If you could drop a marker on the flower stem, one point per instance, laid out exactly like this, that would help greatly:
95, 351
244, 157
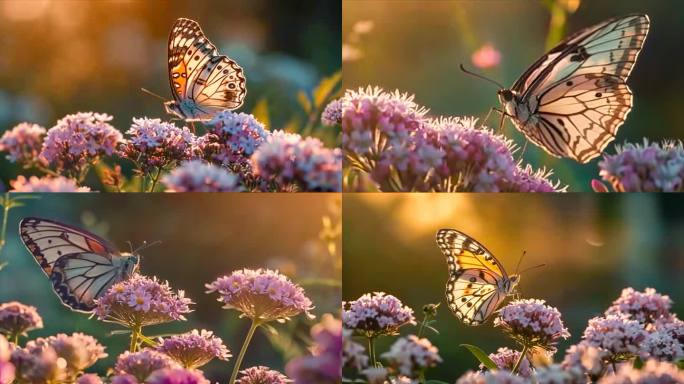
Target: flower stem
6, 205
15, 339
155, 179
520, 359
371, 352
255, 324
135, 332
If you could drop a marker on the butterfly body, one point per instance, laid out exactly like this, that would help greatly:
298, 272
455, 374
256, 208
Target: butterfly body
202, 81
80, 265
572, 100
477, 282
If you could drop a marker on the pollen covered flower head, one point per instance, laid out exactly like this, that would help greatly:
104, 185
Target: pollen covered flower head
153, 144
324, 364
375, 314
78, 140
46, 184
141, 364
261, 375
23, 143
620, 336
197, 176
141, 301
505, 358
646, 307
177, 376
79, 351
412, 355
194, 349
232, 138
17, 319
261, 294
532, 323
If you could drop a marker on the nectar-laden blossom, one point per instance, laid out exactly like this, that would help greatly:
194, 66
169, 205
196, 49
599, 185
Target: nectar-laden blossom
79, 140
620, 336
194, 349
651, 167
46, 184
261, 375
38, 365
141, 301
532, 323
154, 144
324, 364
500, 376
646, 307
290, 161
663, 345
141, 364
653, 372
505, 358
332, 114
177, 376
79, 351
7, 371
486, 57
197, 176
376, 314
23, 143
261, 295
557, 374
585, 358
231, 139
89, 378
411, 355
16, 319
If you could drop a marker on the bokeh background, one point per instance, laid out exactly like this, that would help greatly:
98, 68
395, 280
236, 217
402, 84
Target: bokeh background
64, 56
416, 46
593, 247
203, 236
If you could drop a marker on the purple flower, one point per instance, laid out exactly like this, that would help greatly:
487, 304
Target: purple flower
38, 365
177, 376
141, 301
79, 351
500, 376
194, 349
646, 307
46, 184
376, 314
231, 140
505, 358
154, 144
645, 168
653, 372
332, 114
376, 375
293, 162
324, 365
196, 176
557, 374
663, 345
7, 371
141, 364
410, 356
528, 179
89, 378
16, 319
261, 294
586, 359
23, 143
79, 140
124, 379
620, 336
353, 354
532, 323
261, 375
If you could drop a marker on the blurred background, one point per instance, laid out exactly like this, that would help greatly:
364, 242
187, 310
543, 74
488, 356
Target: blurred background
593, 247
60, 57
417, 46
204, 236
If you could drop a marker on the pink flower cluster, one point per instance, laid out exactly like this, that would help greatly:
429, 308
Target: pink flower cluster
532, 323
141, 301
650, 167
38, 365
332, 114
653, 372
46, 184
295, 163
194, 349
23, 143
376, 314
140, 365
79, 351
324, 365
645, 307
177, 376
261, 375
7, 370
500, 376
411, 355
353, 354
388, 137
197, 176
261, 294
153, 144
505, 358
232, 138
16, 319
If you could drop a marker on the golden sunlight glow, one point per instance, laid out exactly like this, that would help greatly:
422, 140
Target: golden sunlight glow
24, 11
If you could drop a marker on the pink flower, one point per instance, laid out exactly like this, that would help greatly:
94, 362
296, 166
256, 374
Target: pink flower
23, 143
46, 184
261, 294
141, 364
177, 376
486, 57
89, 378
16, 319
500, 376
324, 365
353, 354
410, 356
7, 371
38, 365
332, 114
532, 323
232, 138
652, 372
618, 335
645, 307
194, 349
196, 176
261, 375
79, 351
376, 314
505, 358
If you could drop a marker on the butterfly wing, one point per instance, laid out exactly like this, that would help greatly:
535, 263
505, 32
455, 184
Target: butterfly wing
79, 279
472, 291
197, 73
579, 88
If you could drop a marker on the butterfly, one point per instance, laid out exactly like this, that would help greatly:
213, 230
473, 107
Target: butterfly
572, 100
203, 82
477, 283
80, 265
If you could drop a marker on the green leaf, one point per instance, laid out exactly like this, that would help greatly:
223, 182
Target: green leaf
304, 101
638, 363
270, 329
326, 88
147, 340
119, 332
481, 356
260, 112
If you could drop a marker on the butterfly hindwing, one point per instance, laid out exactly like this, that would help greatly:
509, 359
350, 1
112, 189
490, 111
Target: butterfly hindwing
81, 278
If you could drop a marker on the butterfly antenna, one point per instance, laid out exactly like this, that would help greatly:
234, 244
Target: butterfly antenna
535, 267
146, 245
517, 267
130, 245
481, 77
152, 94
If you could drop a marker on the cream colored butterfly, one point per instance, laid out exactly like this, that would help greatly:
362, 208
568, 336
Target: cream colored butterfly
477, 283
203, 82
572, 100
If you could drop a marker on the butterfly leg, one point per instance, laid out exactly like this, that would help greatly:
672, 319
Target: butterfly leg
484, 121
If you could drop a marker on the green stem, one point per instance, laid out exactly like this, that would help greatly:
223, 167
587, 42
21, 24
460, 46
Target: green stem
5, 213
15, 339
520, 359
156, 179
243, 350
371, 351
135, 332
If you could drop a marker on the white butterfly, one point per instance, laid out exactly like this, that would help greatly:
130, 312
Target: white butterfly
81, 266
477, 283
572, 100
203, 82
